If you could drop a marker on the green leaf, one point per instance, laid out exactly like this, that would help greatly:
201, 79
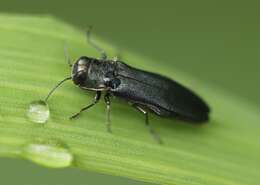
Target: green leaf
224, 151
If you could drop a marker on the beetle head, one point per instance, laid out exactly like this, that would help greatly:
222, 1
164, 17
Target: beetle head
80, 70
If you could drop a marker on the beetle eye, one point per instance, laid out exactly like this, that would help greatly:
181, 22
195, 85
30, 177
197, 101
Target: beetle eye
81, 77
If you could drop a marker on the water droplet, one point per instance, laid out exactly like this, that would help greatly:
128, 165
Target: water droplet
38, 111
49, 155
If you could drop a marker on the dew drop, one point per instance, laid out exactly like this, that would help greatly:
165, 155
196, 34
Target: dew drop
38, 112
48, 155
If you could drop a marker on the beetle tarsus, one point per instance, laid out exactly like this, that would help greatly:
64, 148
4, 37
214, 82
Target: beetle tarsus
151, 130
108, 121
96, 99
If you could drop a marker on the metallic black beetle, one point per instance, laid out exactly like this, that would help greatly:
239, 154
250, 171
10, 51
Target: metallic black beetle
143, 90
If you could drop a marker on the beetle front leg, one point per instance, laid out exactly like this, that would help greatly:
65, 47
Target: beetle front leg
108, 121
96, 99
152, 132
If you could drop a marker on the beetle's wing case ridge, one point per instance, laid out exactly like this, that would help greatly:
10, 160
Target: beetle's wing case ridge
160, 94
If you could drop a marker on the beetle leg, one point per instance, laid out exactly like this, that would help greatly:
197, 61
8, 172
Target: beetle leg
151, 130
118, 56
103, 54
115, 58
107, 101
96, 99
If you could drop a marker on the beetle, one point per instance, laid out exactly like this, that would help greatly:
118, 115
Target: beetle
145, 91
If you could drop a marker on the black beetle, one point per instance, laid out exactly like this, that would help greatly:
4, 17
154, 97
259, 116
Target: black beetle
144, 90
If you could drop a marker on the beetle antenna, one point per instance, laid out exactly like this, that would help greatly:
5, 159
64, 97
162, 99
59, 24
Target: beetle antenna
56, 86
103, 54
67, 58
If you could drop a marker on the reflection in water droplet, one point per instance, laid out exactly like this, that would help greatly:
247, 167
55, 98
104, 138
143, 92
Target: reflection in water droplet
48, 155
38, 111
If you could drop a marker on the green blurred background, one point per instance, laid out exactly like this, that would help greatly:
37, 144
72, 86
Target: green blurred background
215, 41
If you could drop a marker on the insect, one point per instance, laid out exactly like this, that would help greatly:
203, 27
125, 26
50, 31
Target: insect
145, 91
